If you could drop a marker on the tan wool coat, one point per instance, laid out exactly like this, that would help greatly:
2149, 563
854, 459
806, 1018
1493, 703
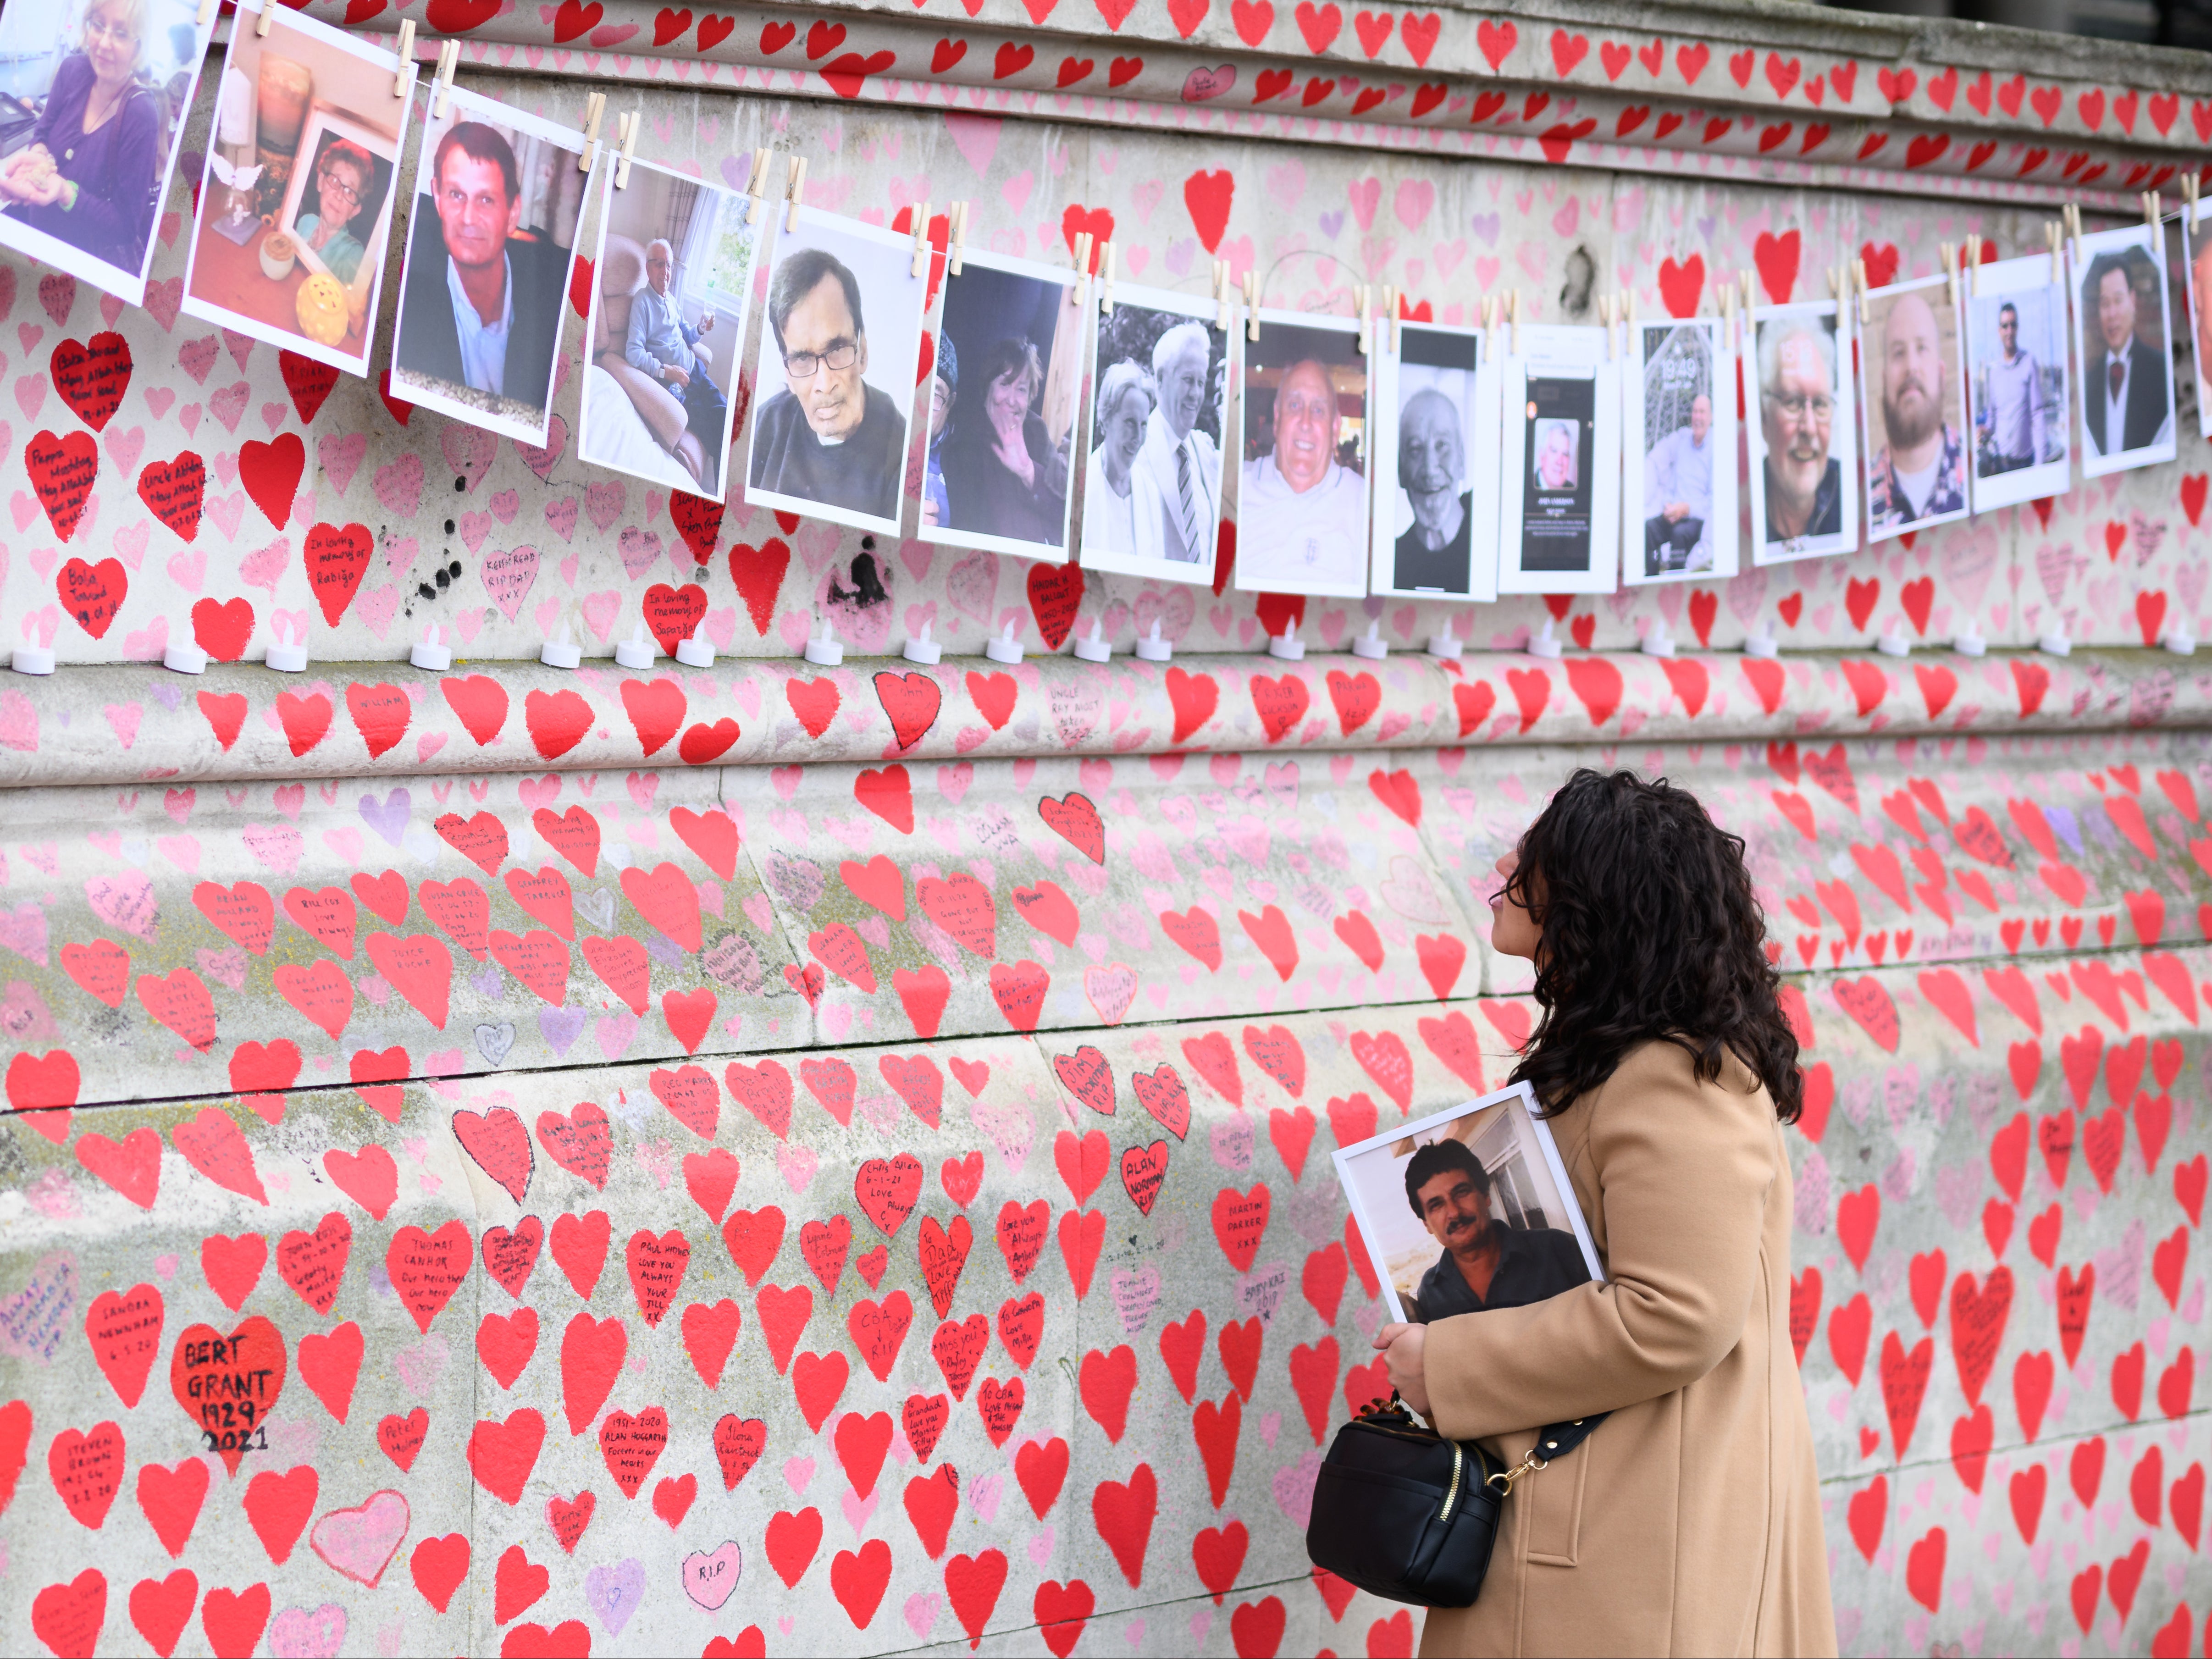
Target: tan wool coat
1689, 1522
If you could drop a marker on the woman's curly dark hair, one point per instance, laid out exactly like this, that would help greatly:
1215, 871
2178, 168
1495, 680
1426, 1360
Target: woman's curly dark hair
1650, 931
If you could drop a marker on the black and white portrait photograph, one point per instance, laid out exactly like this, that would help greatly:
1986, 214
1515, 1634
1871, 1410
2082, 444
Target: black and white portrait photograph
1560, 471
1467, 1210
1302, 483
834, 381
2120, 316
1803, 433
1007, 389
1679, 499
1435, 409
93, 99
1152, 481
1914, 408
498, 202
2021, 417
669, 294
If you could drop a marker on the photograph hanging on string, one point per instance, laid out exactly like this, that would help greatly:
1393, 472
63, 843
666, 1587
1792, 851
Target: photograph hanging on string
1302, 483
1152, 484
1560, 471
1914, 409
1005, 390
295, 205
1804, 440
2197, 270
2118, 280
669, 295
1679, 435
835, 379
2017, 365
1467, 1210
1436, 404
483, 295
94, 95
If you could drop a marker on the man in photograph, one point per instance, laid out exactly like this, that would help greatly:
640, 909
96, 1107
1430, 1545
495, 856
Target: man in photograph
659, 344
1181, 463
828, 436
484, 305
1434, 551
1797, 417
1556, 456
2016, 402
1486, 1261
1298, 511
1678, 481
2201, 291
2123, 401
1920, 473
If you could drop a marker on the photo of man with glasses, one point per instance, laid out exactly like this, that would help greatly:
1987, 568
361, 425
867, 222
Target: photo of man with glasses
829, 438
1797, 398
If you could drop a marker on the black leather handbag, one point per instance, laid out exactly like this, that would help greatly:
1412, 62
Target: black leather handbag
1406, 1514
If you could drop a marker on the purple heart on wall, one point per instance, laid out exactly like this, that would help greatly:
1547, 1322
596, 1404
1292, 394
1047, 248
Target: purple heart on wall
389, 818
560, 1027
614, 1593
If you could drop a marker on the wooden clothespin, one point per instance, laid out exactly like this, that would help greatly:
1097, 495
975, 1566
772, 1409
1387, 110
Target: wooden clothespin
1743, 281
1359, 310
1385, 313
921, 266
2151, 208
405, 53
1079, 290
1106, 279
261, 24
1727, 298
595, 110
2055, 238
955, 238
1251, 306
795, 192
2190, 183
449, 59
1841, 281
1948, 253
756, 185
627, 130
1221, 295
2073, 211
208, 9
1605, 316
1513, 318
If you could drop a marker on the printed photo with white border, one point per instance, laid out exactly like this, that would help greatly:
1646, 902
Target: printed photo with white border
844, 306
1804, 443
296, 203
483, 297
1301, 482
88, 202
1434, 449
1678, 517
1913, 415
1559, 466
1468, 1209
671, 290
2118, 280
2016, 368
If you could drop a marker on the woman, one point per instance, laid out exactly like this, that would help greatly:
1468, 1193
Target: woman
1689, 1521
1002, 474
1120, 512
342, 177
86, 177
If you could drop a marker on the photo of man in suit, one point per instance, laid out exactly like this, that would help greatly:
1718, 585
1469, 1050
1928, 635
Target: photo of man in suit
484, 298
2126, 403
1180, 459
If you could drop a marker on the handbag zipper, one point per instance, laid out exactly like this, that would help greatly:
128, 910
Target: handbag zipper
1452, 1495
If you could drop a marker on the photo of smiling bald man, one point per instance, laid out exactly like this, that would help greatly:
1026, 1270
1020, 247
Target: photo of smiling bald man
1302, 488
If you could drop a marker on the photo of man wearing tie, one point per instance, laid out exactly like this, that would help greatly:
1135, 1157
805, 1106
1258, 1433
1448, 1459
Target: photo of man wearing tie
1152, 503
2127, 398
1181, 460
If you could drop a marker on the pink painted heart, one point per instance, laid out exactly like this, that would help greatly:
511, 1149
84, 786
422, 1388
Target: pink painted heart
360, 1543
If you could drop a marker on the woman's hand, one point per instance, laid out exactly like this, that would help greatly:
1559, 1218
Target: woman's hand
1403, 1346
1011, 448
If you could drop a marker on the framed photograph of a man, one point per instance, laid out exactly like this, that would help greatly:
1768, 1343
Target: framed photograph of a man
1302, 483
669, 290
1804, 440
498, 202
835, 372
295, 204
1559, 468
93, 99
2017, 408
1151, 486
2197, 270
1002, 438
2118, 279
1678, 516
1436, 465
1914, 409
1468, 1209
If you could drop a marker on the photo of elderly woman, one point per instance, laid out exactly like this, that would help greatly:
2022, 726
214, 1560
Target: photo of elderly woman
1436, 466
1151, 488
1012, 340
296, 206
90, 118
1301, 494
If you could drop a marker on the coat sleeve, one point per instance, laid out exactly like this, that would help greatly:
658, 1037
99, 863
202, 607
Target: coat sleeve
1682, 1170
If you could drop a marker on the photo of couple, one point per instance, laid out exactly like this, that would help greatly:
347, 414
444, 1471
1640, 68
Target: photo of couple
1151, 488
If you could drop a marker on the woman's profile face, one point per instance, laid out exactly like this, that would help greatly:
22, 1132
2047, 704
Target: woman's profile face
1513, 931
337, 193
1008, 400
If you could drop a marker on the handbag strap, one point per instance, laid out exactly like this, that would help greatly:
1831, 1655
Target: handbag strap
1554, 1440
